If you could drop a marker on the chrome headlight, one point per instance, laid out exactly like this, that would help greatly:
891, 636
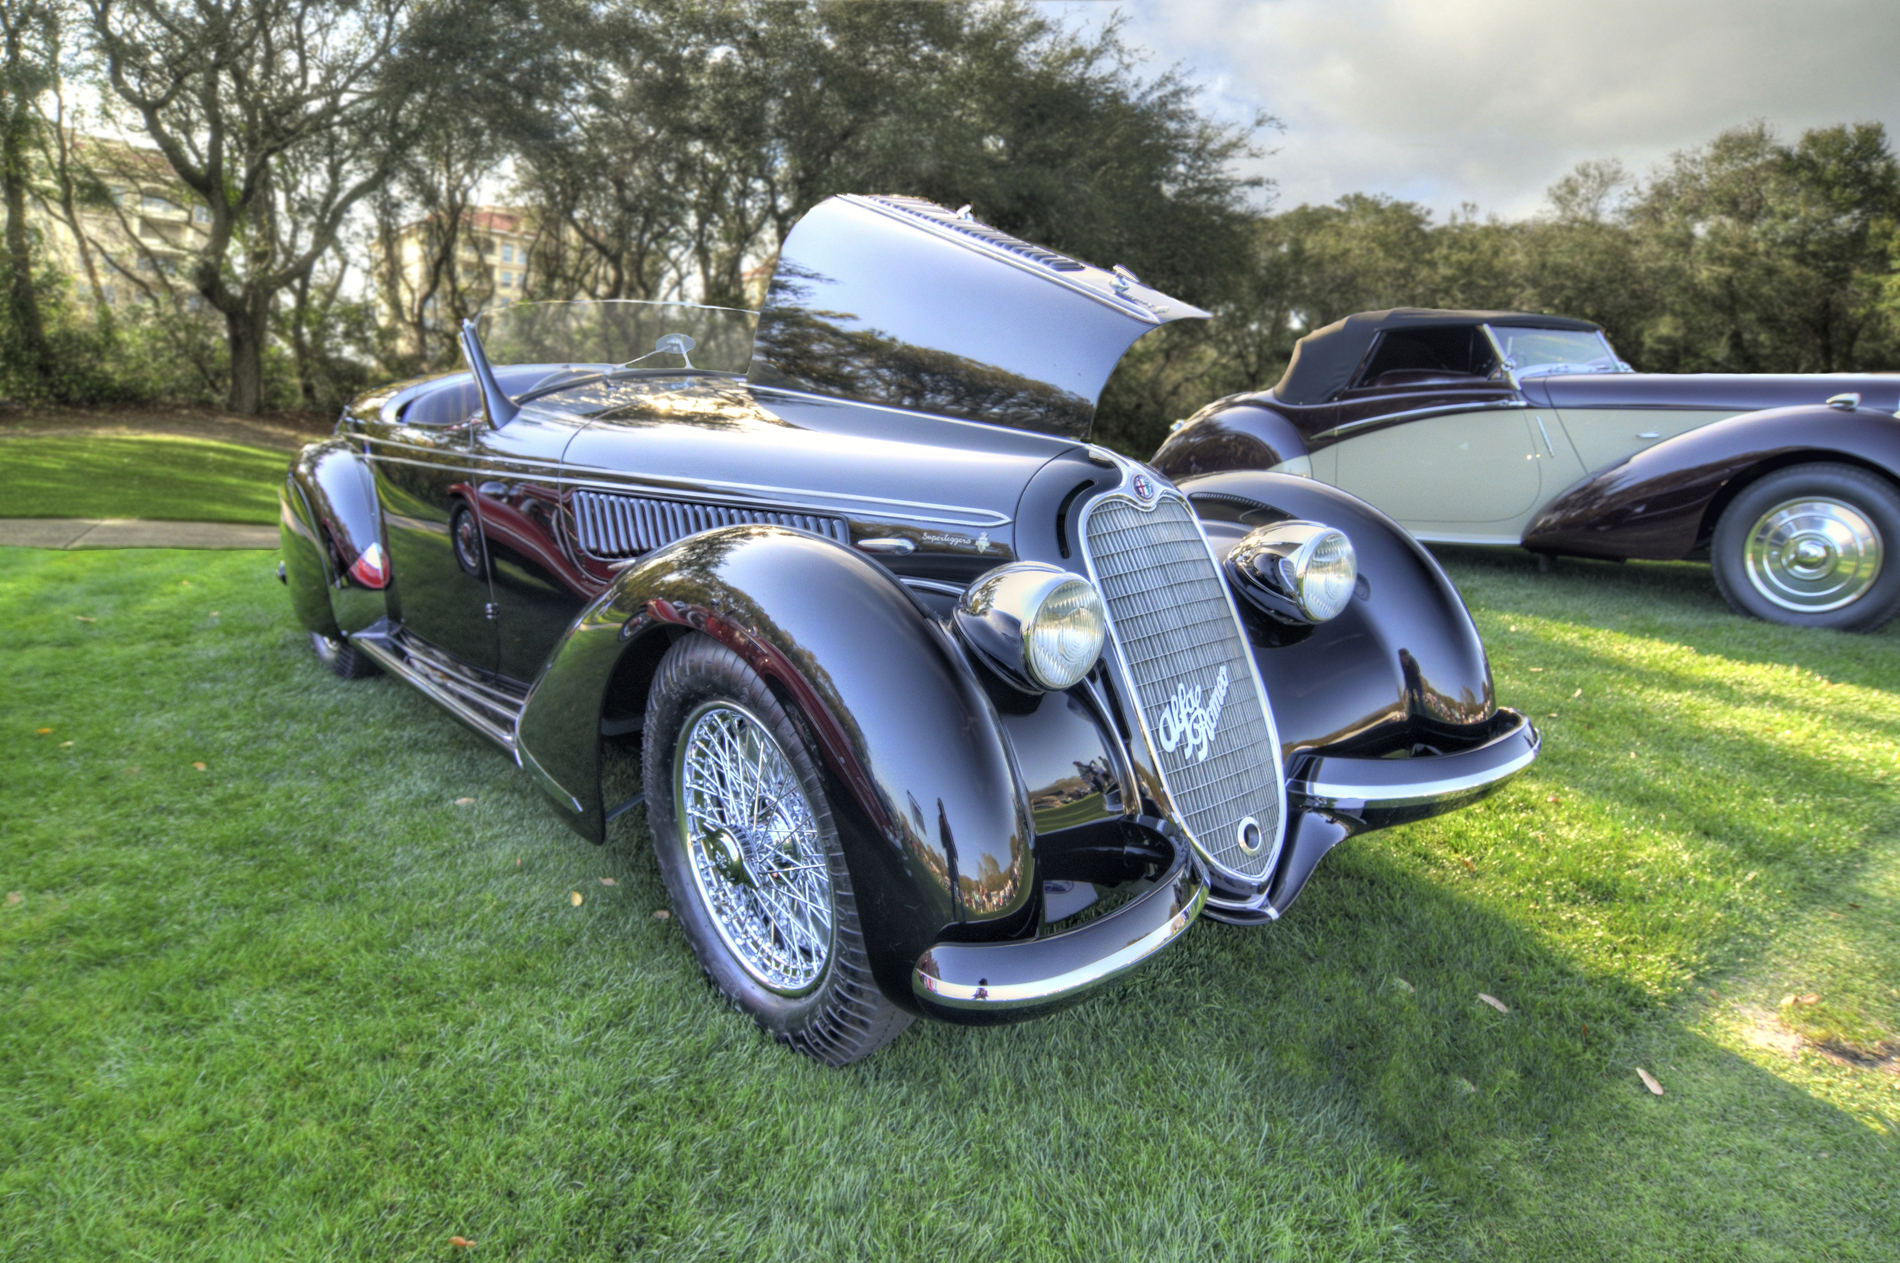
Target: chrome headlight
1039, 626
1299, 572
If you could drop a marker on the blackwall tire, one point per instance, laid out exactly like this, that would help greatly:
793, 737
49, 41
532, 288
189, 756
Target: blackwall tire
341, 657
1814, 545
753, 866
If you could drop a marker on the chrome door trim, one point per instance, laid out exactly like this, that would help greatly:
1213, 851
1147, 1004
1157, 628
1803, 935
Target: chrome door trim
1412, 414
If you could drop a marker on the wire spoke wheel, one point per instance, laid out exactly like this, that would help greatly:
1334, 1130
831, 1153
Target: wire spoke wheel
757, 859
1813, 554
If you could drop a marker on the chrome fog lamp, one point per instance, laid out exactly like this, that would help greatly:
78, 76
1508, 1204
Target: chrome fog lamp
1299, 572
1040, 626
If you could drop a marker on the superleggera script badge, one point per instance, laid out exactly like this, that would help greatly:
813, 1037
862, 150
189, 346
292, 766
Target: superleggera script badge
1184, 722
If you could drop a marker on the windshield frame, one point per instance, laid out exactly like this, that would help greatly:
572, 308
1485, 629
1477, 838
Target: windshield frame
568, 374
1512, 372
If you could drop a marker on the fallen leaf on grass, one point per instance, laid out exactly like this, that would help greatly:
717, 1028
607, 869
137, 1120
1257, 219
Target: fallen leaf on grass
67, 745
15, 898
1537, 668
1409, 989
464, 802
1553, 799
461, 1243
1578, 693
82, 618
1465, 1085
1467, 863
1809, 998
608, 881
199, 766
41, 732
1494, 1002
1649, 1081
574, 897
517, 861
662, 915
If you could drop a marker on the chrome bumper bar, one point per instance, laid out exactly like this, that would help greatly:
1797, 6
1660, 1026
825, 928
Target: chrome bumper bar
1414, 788
1009, 982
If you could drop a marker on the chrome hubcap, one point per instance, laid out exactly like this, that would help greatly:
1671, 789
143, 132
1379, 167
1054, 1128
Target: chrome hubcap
1813, 555
757, 859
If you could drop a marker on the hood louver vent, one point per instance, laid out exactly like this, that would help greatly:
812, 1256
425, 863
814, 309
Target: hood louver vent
610, 526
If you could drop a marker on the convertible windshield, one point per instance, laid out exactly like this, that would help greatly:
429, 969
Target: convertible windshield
1535, 352
604, 336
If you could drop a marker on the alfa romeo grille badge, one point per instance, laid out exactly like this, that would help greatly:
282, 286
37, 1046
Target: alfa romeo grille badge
1187, 724
1144, 490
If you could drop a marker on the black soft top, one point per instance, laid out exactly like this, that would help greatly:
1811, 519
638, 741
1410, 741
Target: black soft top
1324, 360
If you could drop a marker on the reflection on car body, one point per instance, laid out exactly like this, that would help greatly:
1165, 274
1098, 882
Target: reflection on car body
916, 676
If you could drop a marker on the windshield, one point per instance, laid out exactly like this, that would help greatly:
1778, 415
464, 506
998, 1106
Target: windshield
600, 336
1536, 352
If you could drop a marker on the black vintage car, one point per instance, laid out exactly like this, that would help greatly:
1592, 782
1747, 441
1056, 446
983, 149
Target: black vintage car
939, 709
1498, 427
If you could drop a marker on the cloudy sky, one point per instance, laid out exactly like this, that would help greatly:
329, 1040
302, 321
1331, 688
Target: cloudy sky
1488, 101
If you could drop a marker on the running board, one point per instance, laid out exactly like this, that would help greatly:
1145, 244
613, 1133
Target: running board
488, 709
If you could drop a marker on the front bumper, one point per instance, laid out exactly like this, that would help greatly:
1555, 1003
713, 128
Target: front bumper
1382, 792
1330, 798
986, 983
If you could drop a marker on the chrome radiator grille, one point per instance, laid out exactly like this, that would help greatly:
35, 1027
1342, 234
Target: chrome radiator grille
1192, 674
626, 526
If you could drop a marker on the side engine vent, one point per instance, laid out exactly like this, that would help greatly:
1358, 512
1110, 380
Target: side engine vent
627, 526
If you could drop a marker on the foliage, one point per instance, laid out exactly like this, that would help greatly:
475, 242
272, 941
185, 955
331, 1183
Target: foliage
1743, 255
302, 1004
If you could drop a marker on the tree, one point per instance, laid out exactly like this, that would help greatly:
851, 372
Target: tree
1772, 256
29, 56
280, 115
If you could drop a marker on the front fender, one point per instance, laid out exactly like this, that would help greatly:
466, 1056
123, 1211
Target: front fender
1402, 665
935, 826
1660, 503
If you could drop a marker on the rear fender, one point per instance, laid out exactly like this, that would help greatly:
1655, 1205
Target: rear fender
1233, 435
309, 570
1662, 502
934, 823
338, 494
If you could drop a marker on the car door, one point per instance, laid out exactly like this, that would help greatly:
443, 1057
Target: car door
1608, 436
1466, 474
423, 452
539, 590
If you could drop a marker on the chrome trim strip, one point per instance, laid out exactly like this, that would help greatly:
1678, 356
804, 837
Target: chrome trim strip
1327, 794
1183, 908
933, 585
608, 480
391, 658
1411, 414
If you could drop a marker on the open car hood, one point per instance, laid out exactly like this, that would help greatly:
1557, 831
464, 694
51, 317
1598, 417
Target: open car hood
900, 302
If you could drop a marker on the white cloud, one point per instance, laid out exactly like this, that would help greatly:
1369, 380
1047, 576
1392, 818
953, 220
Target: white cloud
1489, 101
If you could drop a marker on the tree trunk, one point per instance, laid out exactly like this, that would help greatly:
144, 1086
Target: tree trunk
246, 330
23, 303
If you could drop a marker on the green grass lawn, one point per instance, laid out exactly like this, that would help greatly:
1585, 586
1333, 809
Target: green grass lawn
120, 476
300, 1004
